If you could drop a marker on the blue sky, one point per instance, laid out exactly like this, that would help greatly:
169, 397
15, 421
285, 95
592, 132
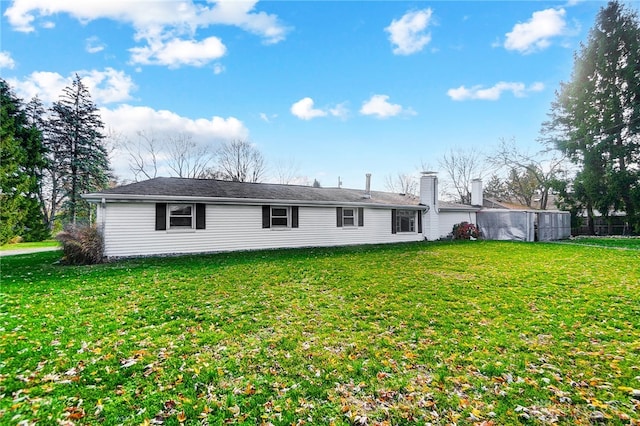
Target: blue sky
327, 88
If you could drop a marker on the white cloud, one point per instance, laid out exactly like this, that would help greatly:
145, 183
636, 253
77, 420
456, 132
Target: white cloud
380, 107
175, 53
46, 85
6, 61
408, 34
304, 110
267, 118
536, 33
108, 86
104, 86
94, 45
126, 121
161, 24
241, 14
218, 68
493, 93
340, 111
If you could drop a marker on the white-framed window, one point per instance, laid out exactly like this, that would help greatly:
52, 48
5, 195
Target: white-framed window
280, 217
181, 216
406, 221
348, 217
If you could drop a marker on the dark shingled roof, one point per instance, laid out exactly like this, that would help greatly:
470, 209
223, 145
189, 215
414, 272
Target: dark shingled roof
210, 188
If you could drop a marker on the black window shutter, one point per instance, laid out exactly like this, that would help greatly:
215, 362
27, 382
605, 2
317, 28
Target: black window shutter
201, 219
339, 217
360, 216
294, 216
266, 216
419, 221
161, 216
394, 214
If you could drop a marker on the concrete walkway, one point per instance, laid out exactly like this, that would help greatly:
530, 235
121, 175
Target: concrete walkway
27, 251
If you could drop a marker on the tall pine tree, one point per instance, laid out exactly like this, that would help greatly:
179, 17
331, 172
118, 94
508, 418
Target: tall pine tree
79, 160
37, 163
595, 118
21, 153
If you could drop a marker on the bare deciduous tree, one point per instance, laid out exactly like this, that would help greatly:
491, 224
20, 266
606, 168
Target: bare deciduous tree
187, 159
143, 154
461, 167
540, 170
150, 153
287, 171
241, 161
402, 183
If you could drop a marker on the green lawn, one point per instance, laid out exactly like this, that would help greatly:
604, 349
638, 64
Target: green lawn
465, 333
39, 244
617, 242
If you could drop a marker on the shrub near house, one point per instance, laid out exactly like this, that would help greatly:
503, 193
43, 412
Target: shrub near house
465, 231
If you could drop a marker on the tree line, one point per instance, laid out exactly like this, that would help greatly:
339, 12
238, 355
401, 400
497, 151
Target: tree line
50, 156
48, 159
589, 146
589, 157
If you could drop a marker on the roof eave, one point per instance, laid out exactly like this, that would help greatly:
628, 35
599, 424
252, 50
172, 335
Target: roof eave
101, 197
459, 209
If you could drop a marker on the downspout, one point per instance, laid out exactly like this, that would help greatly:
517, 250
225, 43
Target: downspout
103, 214
103, 221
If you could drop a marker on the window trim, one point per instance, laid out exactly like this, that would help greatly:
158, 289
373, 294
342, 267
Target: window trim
292, 217
406, 213
287, 216
191, 216
163, 217
353, 217
358, 217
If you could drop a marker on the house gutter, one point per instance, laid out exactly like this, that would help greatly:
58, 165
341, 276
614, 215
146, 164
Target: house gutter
469, 209
98, 198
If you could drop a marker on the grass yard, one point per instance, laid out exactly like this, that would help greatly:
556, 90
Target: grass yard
631, 243
466, 333
20, 246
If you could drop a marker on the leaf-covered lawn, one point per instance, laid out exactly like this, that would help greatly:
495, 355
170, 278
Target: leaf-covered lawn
466, 333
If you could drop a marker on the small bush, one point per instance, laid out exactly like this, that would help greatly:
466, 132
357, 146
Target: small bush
465, 231
16, 240
81, 245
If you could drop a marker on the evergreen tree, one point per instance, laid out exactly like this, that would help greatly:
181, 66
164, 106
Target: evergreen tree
21, 151
78, 158
523, 185
35, 163
595, 118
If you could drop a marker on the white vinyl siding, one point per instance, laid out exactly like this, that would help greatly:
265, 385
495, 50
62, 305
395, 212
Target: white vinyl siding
130, 230
448, 219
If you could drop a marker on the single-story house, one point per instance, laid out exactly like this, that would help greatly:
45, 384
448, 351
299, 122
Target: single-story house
177, 215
